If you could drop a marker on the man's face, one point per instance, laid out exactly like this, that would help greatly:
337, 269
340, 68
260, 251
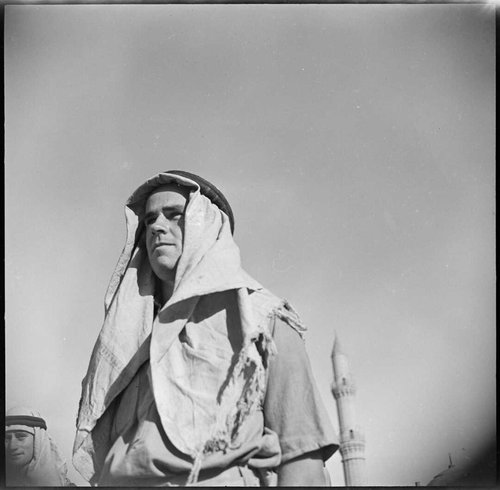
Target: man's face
164, 221
18, 447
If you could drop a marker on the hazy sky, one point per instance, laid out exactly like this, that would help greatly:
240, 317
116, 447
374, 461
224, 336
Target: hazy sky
355, 144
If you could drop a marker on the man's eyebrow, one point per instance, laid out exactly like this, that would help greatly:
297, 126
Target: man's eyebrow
174, 207
18, 432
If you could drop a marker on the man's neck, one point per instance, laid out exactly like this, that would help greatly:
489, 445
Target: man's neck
167, 288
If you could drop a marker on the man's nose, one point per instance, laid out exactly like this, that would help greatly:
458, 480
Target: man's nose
12, 445
160, 225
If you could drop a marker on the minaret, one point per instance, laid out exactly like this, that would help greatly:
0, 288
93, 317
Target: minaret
352, 439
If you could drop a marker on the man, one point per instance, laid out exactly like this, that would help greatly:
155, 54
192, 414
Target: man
199, 375
31, 456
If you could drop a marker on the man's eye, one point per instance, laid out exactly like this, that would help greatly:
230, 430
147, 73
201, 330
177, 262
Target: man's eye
173, 216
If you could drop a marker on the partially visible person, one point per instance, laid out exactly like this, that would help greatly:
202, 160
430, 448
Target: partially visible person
31, 456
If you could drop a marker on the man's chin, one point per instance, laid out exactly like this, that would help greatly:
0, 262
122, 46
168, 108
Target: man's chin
16, 462
165, 270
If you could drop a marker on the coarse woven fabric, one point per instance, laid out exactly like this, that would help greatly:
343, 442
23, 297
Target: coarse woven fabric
47, 468
131, 334
291, 422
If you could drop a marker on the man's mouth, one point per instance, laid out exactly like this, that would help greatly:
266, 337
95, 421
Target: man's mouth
156, 245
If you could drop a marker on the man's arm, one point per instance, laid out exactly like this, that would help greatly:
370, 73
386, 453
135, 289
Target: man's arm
306, 470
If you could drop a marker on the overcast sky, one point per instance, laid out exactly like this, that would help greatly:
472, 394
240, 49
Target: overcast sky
355, 144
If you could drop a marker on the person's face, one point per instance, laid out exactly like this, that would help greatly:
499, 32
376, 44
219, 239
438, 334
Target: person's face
18, 447
164, 221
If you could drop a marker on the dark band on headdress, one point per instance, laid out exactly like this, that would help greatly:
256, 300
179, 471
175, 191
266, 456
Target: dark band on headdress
209, 190
27, 420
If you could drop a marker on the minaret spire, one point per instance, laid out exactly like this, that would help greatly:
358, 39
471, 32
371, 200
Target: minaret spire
352, 440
